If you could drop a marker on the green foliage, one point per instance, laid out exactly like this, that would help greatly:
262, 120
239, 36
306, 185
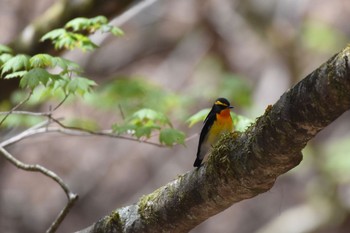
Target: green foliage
47, 76
5, 54
33, 72
133, 93
235, 88
75, 33
35, 77
4, 58
149, 116
142, 123
170, 136
19, 62
198, 117
5, 49
241, 123
322, 37
146, 121
225, 84
14, 121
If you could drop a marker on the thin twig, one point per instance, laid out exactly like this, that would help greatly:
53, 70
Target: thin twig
60, 217
73, 131
60, 103
72, 197
27, 113
69, 130
17, 106
121, 111
99, 133
36, 129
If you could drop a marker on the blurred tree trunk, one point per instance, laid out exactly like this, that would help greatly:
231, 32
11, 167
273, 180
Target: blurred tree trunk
243, 165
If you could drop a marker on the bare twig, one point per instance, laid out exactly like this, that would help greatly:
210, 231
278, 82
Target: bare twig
107, 133
27, 133
17, 106
60, 103
73, 131
121, 111
72, 197
60, 217
26, 113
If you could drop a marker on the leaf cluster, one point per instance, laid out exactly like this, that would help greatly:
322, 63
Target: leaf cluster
54, 73
75, 33
145, 122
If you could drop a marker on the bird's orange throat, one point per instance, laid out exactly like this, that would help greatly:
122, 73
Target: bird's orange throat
224, 119
226, 113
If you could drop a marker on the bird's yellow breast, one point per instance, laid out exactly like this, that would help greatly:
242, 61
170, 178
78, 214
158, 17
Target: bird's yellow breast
222, 124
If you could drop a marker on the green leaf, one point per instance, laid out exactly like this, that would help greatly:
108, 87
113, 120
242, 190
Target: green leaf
145, 131
74, 34
170, 136
67, 41
35, 77
150, 116
80, 85
16, 63
17, 74
99, 20
116, 31
42, 60
54, 34
5, 49
78, 24
67, 65
241, 123
5, 57
198, 117
123, 129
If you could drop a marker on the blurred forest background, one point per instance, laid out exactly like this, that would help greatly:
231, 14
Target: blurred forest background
177, 56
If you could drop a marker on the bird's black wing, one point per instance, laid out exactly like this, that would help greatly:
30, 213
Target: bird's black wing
208, 122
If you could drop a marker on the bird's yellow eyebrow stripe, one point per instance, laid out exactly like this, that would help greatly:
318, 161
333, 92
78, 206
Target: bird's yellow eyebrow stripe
220, 103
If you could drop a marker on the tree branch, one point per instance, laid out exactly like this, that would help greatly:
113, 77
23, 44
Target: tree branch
72, 197
15, 107
243, 165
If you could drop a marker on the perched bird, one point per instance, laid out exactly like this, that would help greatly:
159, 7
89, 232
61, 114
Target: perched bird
217, 122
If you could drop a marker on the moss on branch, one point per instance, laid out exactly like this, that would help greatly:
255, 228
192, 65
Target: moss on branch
244, 165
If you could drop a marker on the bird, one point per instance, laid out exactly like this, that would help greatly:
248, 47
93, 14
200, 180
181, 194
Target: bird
217, 122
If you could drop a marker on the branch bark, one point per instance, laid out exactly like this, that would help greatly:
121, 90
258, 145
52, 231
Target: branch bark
243, 165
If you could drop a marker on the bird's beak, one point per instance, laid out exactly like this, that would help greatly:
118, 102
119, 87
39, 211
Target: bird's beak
230, 107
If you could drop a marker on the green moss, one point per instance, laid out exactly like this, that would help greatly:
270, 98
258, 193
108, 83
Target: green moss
146, 206
113, 222
219, 160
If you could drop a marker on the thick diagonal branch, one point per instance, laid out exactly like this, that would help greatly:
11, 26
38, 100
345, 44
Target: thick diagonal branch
243, 165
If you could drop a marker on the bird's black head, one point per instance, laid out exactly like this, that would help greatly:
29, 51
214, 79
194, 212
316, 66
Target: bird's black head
221, 104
